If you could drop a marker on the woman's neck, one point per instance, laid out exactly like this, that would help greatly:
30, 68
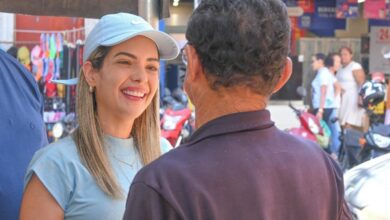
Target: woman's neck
115, 126
346, 64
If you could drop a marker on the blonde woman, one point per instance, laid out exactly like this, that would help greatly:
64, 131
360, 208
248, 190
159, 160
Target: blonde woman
87, 176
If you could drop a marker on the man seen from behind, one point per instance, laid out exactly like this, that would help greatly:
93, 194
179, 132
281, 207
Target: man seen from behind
237, 164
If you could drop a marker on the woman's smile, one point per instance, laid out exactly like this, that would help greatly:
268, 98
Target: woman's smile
134, 94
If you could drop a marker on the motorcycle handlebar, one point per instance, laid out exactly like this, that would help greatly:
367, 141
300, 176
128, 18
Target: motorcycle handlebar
293, 108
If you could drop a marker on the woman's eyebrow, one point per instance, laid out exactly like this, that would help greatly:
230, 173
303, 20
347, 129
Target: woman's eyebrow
126, 54
135, 57
153, 59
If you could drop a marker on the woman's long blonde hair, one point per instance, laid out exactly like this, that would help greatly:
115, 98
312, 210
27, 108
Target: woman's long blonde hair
89, 137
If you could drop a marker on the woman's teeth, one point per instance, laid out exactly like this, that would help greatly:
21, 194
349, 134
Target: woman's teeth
134, 93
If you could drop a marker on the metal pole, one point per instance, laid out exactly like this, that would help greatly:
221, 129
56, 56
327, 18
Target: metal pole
148, 9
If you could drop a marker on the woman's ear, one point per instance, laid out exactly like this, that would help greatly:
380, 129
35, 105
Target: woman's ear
284, 75
89, 73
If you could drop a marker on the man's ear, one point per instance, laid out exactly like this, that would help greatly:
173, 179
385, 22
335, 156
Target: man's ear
284, 75
89, 73
194, 66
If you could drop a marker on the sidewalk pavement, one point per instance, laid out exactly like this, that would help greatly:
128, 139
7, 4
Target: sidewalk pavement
282, 115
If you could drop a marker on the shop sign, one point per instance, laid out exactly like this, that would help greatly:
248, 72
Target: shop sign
377, 9
306, 5
326, 9
294, 11
324, 17
380, 49
347, 9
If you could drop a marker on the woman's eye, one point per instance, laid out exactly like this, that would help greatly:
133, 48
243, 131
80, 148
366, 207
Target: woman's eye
124, 62
152, 68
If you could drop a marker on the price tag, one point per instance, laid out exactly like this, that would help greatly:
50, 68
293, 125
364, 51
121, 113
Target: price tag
384, 34
380, 50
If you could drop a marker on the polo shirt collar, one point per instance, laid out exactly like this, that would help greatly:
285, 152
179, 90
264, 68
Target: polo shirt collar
232, 123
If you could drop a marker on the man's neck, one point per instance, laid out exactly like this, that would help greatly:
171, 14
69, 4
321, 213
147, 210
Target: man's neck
215, 105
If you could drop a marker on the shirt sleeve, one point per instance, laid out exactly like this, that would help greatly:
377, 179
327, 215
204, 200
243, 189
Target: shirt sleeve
143, 202
165, 145
344, 212
325, 78
356, 66
50, 168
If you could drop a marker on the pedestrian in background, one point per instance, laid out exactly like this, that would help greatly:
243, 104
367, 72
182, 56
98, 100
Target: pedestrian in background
351, 77
333, 63
324, 98
322, 88
237, 164
22, 131
87, 175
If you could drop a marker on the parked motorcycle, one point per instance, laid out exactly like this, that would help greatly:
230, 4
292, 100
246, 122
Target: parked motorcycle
358, 147
64, 127
177, 119
54, 112
377, 139
311, 127
367, 189
176, 125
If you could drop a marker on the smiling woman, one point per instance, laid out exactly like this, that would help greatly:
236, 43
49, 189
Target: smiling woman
88, 175
126, 84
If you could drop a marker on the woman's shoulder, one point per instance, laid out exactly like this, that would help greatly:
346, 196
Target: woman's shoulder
55, 165
62, 150
355, 65
325, 71
165, 145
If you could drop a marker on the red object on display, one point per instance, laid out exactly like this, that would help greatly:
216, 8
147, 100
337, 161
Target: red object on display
50, 88
45, 23
306, 5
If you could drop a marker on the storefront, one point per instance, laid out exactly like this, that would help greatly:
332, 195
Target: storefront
317, 26
325, 26
51, 46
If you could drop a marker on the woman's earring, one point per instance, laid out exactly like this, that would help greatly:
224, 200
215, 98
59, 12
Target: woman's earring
91, 89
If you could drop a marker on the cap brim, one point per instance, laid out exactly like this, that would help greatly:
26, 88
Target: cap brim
68, 82
167, 46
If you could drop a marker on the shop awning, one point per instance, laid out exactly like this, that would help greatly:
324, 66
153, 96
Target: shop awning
77, 8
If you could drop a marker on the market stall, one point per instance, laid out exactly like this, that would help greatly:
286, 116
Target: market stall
85, 8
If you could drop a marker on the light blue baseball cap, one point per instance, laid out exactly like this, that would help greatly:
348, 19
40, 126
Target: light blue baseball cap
113, 29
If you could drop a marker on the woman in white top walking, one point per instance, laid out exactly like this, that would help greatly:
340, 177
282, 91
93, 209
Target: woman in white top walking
333, 63
351, 77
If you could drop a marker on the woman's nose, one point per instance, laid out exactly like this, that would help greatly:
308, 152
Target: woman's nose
139, 75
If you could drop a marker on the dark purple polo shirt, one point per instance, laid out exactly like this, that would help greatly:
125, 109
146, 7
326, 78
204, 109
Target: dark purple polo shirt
240, 166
